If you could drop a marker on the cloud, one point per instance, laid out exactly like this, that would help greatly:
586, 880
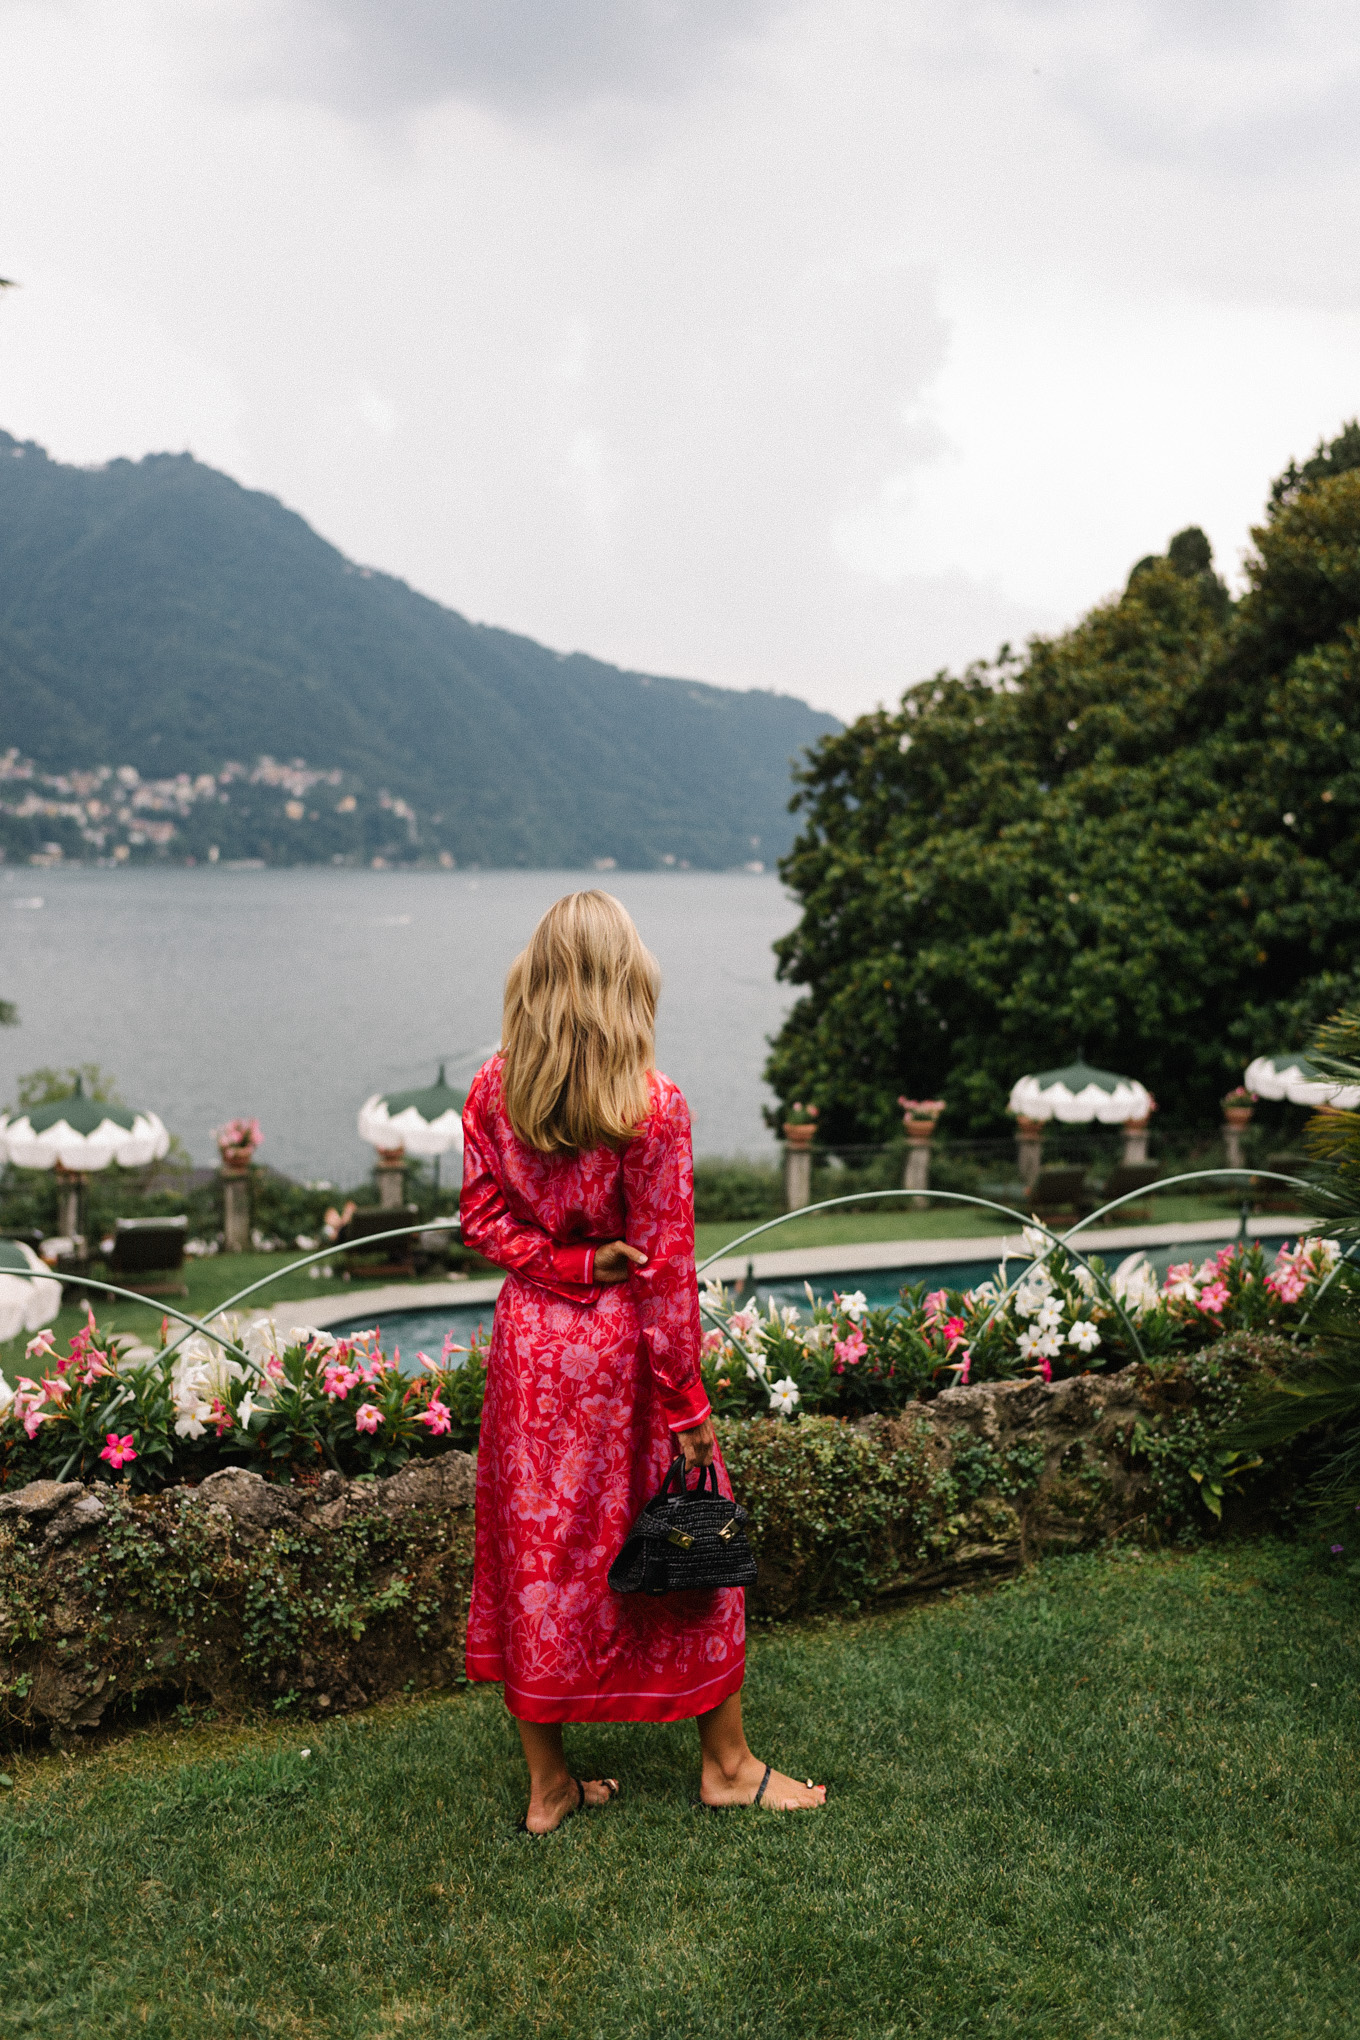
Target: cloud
524, 55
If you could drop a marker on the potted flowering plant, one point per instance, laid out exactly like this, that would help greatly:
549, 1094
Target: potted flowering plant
237, 1142
800, 1124
1237, 1105
920, 1115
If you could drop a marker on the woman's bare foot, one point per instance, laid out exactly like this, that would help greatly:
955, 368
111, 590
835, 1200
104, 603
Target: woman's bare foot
739, 1784
557, 1802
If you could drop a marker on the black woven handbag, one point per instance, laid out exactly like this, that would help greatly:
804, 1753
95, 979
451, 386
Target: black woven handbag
685, 1537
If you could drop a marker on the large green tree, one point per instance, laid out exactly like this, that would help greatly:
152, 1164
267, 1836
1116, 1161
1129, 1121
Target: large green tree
1142, 840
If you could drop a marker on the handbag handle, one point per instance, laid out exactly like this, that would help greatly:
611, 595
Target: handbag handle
708, 1477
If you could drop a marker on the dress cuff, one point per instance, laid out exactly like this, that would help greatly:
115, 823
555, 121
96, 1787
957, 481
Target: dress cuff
685, 1407
574, 1264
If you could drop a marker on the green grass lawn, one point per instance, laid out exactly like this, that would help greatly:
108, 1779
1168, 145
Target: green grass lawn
1115, 1798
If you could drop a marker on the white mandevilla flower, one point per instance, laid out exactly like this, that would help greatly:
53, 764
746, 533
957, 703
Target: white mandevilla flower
1086, 1281
1051, 1313
1031, 1345
789, 1316
1050, 1343
245, 1410
6, 1395
756, 1366
854, 1305
784, 1396
1135, 1285
1036, 1241
1084, 1336
817, 1336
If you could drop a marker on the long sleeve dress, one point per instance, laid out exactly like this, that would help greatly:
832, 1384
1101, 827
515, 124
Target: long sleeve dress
586, 1382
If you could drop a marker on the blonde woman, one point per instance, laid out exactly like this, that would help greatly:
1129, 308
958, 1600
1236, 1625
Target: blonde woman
577, 1179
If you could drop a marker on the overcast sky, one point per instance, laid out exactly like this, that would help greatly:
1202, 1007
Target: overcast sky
800, 346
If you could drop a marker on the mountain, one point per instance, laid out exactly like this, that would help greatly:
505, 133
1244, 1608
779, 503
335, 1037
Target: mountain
158, 617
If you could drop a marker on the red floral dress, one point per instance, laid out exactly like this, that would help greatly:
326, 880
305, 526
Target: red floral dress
585, 1383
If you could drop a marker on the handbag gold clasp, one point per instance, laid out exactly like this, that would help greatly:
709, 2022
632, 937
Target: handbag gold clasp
680, 1538
729, 1529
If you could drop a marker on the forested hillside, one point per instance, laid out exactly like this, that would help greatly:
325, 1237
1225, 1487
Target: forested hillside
157, 616
1142, 839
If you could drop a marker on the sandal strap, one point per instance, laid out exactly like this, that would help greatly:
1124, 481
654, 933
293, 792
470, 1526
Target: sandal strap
760, 1789
580, 1794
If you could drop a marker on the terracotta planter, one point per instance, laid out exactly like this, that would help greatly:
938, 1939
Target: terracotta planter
236, 1160
799, 1136
391, 1158
1030, 1129
920, 1129
1237, 1116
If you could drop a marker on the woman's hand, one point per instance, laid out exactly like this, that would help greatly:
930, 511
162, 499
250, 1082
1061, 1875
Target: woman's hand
616, 1262
697, 1445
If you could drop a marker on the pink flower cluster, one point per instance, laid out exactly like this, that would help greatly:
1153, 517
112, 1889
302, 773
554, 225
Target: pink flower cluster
1294, 1270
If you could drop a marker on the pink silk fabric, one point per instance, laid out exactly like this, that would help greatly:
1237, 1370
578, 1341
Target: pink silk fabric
585, 1383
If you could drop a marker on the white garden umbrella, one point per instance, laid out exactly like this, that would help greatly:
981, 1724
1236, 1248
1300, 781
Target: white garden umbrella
82, 1134
1292, 1076
1079, 1094
426, 1122
25, 1306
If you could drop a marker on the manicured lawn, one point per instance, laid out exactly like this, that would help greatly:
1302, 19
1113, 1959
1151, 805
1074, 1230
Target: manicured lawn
1116, 1798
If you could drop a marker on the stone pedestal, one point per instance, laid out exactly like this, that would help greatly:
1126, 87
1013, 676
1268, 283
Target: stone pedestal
235, 1211
391, 1174
1235, 1123
70, 1203
1029, 1148
1135, 1140
798, 1165
916, 1175
797, 1178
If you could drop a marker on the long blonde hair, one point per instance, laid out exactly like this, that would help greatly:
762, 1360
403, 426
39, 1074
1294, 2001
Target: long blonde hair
579, 1025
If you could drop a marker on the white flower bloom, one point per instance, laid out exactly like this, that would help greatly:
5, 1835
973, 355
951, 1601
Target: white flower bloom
1049, 1343
1135, 1285
193, 1419
789, 1316
1051, 1313
1186, 1289
784, 1396
245, 1410
986, 1292
756, 1365
1030, 1344
6, 1395
1086, 1281
1084, 1336
1036, 1241
817, 1336
854, 1305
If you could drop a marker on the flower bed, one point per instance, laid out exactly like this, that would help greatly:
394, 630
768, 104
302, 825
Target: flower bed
297, 1403
286, 1404
1059, 1319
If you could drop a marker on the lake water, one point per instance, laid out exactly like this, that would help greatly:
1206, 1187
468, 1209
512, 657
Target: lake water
293, 995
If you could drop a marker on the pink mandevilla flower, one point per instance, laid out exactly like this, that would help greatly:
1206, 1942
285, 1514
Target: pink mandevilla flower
936, 1305
338, 1381
42, 1347
119, 1451
713, 1342
438, 1417
849, 1352
965, 1370
1045, 1368
367, 1418
954, 1329
1213, 1298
